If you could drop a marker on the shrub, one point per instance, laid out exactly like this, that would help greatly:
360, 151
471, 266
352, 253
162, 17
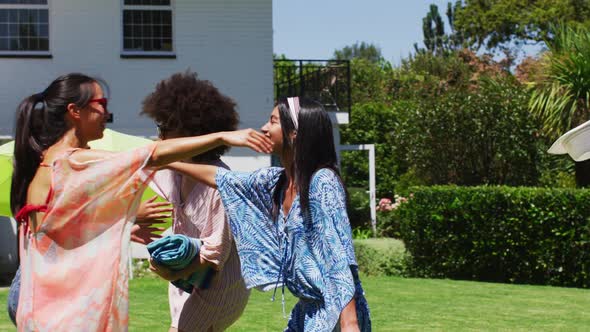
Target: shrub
502, 234
459, 119
472, 137
359, 211
373, 123
360, 233
381, 257
388, 218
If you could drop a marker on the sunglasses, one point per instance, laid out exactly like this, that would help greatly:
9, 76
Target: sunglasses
161, 129
104, 103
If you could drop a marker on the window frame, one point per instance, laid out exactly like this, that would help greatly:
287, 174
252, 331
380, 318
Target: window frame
148, 54
30, 54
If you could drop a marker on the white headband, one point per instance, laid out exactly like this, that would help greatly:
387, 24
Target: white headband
294, 109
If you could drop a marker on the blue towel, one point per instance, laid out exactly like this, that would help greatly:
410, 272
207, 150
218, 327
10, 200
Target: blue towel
177, 252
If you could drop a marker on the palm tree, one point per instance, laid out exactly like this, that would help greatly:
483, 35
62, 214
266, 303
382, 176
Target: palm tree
561, 96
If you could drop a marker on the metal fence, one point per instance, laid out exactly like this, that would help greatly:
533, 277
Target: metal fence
327, 81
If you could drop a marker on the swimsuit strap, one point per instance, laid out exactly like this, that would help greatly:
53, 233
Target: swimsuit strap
23, 215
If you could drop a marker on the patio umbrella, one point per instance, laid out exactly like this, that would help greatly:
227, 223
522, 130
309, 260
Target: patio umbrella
575, 142
111, 141
5, 179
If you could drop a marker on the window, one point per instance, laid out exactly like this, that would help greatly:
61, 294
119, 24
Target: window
24, 27
147, 27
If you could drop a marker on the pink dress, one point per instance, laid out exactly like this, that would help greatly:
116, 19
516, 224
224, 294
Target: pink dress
201, 215
75, 264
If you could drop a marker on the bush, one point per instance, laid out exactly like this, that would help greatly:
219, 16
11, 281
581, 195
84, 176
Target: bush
471, 137
381, 257
459, 119
501, 234
373, 123
360, 233
388, 216
359, 211
388, 224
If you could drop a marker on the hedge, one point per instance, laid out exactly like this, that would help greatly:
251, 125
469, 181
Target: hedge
499, 234
382, 257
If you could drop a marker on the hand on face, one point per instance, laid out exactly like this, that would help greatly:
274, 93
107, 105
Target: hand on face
248, 138
273, 130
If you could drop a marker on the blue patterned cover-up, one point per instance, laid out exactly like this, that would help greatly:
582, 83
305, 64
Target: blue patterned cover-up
312, 255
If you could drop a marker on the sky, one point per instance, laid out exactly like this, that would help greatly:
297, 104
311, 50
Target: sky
306, 29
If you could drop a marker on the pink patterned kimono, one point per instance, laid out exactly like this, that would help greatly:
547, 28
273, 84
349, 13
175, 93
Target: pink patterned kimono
74, 265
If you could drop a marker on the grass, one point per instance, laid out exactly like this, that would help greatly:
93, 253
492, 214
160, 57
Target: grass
384, 244
399, 304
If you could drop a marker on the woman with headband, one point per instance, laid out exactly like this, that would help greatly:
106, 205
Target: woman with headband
290, 224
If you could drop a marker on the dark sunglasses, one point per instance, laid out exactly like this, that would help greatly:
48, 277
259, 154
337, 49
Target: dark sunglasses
104, 103
161, 129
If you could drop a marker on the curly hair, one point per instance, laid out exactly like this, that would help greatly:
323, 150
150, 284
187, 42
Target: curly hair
191, 107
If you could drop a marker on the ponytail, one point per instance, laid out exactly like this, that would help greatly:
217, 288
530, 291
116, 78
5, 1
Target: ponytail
40, 123
27, 150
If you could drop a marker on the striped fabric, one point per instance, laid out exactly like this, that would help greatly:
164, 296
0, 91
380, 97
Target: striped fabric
200, 214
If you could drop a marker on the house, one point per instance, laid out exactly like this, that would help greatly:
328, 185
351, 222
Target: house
132, 45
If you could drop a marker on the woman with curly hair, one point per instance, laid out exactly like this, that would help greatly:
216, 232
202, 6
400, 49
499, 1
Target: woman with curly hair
181, 106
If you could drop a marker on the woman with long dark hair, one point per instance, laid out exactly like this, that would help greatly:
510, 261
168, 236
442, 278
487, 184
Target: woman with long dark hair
290, 223
76, 206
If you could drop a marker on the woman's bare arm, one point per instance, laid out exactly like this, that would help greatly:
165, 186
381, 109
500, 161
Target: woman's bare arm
171, 150
200, 172
348, 319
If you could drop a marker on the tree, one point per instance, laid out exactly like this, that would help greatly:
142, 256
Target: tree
498, 23
363, 50
561, 97
436, 41
371, 81
471, 135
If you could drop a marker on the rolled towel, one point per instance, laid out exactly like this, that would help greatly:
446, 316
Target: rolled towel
177, 252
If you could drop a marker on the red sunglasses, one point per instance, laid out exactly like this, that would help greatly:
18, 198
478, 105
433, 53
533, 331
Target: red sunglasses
104, 103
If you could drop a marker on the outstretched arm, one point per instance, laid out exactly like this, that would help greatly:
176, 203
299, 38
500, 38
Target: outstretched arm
200, 172
171, 150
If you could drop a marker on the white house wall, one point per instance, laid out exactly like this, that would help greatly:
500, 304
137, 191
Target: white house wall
228, 42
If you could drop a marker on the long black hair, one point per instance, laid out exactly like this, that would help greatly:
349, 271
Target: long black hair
40, 123
313, 147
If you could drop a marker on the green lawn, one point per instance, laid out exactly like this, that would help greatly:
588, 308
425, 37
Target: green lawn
400, 304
